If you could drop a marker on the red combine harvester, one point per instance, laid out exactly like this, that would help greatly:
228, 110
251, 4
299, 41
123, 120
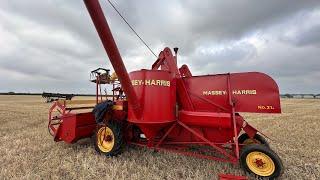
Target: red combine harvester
167, 108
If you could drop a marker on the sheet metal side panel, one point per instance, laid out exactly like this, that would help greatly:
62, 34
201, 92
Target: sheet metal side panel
251, 91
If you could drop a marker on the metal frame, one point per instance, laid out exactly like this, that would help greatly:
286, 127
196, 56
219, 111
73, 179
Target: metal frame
180, 147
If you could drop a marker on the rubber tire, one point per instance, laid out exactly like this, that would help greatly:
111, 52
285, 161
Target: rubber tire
119, 142
257, 137
261, 148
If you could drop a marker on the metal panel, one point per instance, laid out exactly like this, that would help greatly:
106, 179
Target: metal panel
251, 92
156, 91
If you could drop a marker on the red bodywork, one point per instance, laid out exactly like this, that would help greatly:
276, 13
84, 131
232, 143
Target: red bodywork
68, 126
251, 92
76, 126
174, 109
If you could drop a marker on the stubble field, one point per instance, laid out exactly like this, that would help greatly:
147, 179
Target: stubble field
27, 151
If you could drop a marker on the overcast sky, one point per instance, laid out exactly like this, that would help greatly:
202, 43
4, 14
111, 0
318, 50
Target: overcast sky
51, 45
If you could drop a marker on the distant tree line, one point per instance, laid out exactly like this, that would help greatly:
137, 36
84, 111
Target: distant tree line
39, 94
315, 96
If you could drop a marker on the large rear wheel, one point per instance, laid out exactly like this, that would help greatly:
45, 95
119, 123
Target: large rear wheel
108, 138
261, 161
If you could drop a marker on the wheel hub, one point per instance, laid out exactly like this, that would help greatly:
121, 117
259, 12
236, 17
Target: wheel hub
105, 138
260, 163
108, 138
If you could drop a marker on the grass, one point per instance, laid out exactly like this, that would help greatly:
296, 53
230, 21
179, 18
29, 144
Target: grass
27, 151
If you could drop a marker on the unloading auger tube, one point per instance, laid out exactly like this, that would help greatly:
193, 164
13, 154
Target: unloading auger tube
111, 48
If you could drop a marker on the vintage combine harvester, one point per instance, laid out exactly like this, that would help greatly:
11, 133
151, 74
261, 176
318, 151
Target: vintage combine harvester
167, 108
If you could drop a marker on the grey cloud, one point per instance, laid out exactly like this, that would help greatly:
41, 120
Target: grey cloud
54, 42
309, 36
188, 24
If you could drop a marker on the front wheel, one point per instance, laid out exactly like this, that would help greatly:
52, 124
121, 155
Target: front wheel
108, 138
261, 161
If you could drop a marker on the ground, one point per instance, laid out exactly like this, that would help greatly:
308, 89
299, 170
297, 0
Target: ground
27, 151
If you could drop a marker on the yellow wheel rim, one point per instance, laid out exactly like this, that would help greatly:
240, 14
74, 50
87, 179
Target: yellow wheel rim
105, 138
260, 163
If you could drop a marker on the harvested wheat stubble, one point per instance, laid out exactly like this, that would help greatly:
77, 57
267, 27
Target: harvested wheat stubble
27, 151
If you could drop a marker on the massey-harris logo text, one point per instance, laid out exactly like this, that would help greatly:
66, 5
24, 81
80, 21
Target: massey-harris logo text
235, 92
150, 82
